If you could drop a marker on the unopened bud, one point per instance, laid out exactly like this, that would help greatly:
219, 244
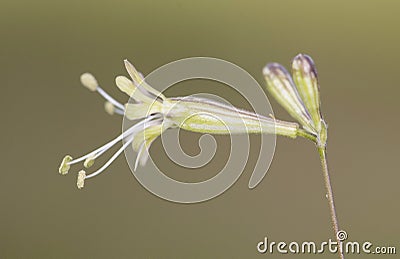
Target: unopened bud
305, 77
281, 86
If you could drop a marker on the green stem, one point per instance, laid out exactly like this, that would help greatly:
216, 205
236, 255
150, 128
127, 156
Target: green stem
328, 186
307, 135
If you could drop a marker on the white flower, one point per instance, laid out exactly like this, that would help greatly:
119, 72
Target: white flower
155, 113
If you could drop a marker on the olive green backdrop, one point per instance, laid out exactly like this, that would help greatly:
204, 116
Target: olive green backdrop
45, 114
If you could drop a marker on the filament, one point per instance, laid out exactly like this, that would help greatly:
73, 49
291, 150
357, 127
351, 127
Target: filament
109, 98
99, 151
99, 171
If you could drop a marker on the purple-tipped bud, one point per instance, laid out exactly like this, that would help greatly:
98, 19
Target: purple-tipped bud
281, 86
305, 77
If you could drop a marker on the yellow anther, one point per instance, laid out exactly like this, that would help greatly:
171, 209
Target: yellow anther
89, 162
81, 179
109, 107
64, 167
89, 81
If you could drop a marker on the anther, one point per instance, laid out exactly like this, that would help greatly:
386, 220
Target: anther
109, 107
89, 81
89, 162
81, 179
64, 167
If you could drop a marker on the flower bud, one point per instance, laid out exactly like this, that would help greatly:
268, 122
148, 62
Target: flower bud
305, 77
281, 86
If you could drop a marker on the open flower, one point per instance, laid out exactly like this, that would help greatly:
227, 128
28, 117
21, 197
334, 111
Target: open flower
156, 113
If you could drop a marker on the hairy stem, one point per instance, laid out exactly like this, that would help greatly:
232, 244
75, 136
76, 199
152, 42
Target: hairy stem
305, 134
328, 186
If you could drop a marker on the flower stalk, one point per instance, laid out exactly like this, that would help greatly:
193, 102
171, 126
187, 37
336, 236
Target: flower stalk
300, 97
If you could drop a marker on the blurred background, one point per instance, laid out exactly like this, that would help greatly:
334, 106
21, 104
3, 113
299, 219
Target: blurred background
45, 114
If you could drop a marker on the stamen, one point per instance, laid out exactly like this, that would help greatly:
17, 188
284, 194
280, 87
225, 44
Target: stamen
111, 159
111, 109
119, 112
64, 167
89, 161
81, 179
89, 81
97, 152
91, 157
109, 98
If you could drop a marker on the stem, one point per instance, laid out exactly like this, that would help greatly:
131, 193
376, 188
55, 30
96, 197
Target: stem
307, 135
328, 186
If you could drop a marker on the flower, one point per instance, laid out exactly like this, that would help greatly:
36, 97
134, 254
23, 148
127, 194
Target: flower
156, 113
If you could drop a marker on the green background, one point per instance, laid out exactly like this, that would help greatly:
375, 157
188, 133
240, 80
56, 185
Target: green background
45, 113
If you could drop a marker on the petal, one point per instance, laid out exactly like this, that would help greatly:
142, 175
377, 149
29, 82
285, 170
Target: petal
138, 79
139, 156
134, 111
143, 154
128, 87
152, 131
305, 77
142, 142
281, 86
